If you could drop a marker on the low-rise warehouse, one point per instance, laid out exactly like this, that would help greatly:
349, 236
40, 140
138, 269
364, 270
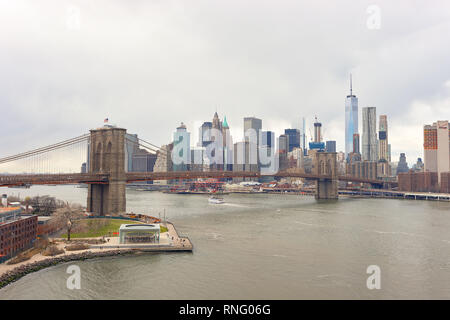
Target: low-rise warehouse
17, 231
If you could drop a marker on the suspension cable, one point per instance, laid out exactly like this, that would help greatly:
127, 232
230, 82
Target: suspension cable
49, 148
159, 151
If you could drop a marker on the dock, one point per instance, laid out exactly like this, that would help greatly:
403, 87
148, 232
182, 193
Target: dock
390, 194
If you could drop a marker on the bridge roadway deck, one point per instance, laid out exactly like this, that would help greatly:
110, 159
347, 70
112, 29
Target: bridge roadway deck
58, 178
100, 178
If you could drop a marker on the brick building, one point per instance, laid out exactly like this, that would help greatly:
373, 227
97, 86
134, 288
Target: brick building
418, 181
436, 145
362, 169
445, 182
17, 231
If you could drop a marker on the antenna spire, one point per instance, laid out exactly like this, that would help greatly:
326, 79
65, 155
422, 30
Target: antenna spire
351, 89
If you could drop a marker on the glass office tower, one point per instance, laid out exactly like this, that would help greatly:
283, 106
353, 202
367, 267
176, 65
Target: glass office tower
351, 119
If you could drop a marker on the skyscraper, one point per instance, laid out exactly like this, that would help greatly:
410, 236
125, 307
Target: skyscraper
317, 143
351, 119
216, 123
252, 154
252, 123
283, 148
383, 152
437, 147
163, 162
227, 145
389, 153
131, 146
283, 143
330, 146
267, 154
303, 138
317, 131
356, 148
217, 151
143, 161
182, 150
225, 130
402, 164
369, 135
267, 137
204, 134
294, 138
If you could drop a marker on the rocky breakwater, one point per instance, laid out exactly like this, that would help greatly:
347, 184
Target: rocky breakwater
24, 269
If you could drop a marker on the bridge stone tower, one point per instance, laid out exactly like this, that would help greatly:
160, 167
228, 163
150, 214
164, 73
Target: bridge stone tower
107, 155
325, 163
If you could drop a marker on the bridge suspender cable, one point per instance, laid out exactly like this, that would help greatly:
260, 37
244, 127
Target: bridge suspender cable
141, 142
158, 148
49, 148
162, 151
137, 144
149, 146
45, 149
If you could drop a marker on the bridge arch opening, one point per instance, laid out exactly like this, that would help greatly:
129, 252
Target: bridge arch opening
321, 167
97, 162
329, 168
107, 157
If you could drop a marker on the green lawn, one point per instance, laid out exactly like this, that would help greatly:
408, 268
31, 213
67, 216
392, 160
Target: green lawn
101, 227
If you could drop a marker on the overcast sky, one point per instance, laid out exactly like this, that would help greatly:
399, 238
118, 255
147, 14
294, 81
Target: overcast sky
148, 65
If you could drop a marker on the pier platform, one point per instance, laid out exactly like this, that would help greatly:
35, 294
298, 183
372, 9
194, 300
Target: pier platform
169, 241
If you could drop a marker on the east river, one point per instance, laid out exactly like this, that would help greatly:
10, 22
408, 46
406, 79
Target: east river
265, 246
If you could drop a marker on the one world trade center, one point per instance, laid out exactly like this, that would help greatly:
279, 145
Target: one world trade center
351, 119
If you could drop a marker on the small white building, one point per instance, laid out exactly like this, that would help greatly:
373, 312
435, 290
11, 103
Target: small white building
139, 233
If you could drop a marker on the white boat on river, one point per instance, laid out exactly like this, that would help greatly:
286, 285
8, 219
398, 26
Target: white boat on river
216, 200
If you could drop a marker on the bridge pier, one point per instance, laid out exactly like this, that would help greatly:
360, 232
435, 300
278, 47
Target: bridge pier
326, 164
107, 156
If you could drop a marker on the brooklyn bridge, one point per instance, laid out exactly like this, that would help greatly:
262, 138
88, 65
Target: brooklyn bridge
107, 175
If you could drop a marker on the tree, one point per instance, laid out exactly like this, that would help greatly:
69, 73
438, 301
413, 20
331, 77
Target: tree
27, 203
66, 215
45, 205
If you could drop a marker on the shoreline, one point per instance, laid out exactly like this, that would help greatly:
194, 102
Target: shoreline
360, 194
12, 273
22, 270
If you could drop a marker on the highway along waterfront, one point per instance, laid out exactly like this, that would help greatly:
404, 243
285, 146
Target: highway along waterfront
265, 246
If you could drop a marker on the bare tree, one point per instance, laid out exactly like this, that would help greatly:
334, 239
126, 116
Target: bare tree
66, 215
27, 203
45, 205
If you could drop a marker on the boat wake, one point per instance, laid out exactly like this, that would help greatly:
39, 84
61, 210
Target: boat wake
237, 205
214, 236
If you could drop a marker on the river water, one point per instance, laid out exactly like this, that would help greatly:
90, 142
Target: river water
266, 247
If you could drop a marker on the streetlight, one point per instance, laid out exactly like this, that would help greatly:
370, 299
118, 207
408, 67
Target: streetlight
69, 226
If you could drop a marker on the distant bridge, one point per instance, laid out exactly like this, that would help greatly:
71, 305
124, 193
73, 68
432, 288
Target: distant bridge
107, 176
